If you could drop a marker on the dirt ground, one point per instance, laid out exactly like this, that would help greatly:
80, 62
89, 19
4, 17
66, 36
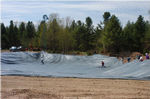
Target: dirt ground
19, 87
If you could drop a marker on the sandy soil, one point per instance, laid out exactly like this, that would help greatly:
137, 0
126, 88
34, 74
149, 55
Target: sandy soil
19, 87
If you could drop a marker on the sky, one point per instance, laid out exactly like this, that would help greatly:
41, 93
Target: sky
33, 10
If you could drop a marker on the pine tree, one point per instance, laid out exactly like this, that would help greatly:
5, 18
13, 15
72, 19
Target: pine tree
139, 33
4, 37
111, 35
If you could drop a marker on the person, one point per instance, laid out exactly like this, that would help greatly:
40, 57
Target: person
138, 57
102, 63
128, 59
42, 61
42, 57
141, 59
147, 56
122, 60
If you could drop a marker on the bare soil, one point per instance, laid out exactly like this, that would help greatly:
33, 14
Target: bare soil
19, 87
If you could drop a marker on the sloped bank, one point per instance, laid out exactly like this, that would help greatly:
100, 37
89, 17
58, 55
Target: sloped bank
58, 65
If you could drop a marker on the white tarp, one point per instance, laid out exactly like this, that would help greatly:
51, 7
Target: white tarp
58, 65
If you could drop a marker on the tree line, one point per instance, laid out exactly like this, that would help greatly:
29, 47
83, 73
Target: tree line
60, 35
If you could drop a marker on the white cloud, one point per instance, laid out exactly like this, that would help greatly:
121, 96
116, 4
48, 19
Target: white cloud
31, 10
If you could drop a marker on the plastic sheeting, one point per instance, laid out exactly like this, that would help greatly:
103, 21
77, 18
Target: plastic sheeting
58, 65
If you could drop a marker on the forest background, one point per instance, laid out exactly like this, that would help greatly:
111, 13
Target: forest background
65, 35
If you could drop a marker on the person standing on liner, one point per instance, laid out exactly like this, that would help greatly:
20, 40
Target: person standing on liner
42, 57
128, 59
141, 59
147, 56
102, 63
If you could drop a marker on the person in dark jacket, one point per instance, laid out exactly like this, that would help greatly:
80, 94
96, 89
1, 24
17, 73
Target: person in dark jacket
102, 63
128, 59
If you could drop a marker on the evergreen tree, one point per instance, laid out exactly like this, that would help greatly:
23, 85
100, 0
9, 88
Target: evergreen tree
4, 37
139, 33
30, 29
73, 25
79, 36
147, 38
106, 16
98, 38
127, 42
11, 34
16, 36
22, 32
30, 33
111, 35
88, 36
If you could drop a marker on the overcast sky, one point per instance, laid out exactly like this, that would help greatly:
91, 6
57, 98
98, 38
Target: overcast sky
33, 10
